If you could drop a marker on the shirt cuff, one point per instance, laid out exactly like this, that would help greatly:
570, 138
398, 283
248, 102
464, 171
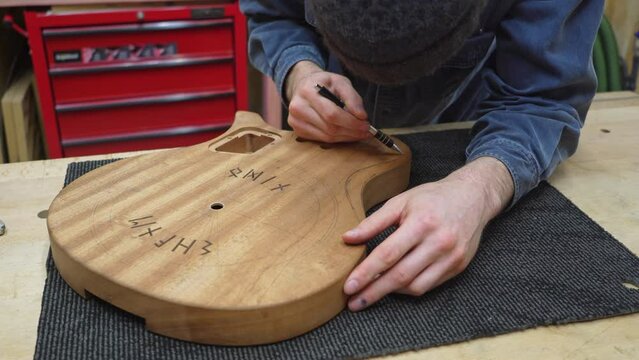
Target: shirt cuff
520, 163
290, 57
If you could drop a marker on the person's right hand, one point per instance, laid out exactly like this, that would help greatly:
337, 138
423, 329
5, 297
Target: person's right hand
314, 117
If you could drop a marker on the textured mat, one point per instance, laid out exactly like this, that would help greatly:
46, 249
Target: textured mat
544, 262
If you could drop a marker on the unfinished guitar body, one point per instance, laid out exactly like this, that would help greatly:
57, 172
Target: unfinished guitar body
235, 241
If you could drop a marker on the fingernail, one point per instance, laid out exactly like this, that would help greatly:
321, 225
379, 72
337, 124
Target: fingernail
351, 287
363, 303
359, 304
351, 233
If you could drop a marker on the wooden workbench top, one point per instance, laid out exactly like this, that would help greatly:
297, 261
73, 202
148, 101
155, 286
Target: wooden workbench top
601, 179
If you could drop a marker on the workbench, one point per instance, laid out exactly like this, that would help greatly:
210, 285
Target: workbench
601, 179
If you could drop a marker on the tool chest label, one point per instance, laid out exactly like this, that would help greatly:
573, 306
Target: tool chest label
67, 56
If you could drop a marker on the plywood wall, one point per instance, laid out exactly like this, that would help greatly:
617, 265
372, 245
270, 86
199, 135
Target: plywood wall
624, 16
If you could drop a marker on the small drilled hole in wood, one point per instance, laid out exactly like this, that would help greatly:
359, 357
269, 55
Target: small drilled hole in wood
629, 285
605, 131
217, 206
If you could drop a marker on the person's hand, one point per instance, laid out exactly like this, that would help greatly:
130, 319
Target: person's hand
314, 117
439, 226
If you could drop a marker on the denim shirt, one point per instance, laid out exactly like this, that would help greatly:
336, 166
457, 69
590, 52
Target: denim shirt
528, 81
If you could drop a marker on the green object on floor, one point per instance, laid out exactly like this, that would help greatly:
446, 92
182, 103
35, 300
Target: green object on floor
599, 61
611, 52
606, 60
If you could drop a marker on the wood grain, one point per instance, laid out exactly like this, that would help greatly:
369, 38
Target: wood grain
235, 241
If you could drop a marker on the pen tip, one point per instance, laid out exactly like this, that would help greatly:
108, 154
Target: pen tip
396, 148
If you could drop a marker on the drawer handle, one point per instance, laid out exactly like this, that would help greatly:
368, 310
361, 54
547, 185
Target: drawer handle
152, 64
150, 100
183, 130
156, 26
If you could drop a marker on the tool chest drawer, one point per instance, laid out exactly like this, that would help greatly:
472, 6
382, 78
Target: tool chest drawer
96, 45
136, 78
142, 114
142, 79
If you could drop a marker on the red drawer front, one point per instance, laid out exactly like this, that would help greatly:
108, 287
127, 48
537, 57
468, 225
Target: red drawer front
170, 38
98, 119
142, 142
143, 79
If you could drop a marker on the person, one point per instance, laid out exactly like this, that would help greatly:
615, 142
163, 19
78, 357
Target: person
521, 68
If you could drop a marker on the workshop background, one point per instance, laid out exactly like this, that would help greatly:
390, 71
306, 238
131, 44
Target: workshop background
94, 79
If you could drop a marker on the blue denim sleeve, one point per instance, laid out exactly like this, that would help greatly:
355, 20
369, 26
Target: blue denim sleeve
279, 37
539, 89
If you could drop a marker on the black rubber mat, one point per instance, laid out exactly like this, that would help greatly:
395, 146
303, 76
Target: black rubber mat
543, 262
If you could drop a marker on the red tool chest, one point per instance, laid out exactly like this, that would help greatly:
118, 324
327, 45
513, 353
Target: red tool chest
136, 79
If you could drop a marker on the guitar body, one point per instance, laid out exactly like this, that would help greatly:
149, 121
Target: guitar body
235, 241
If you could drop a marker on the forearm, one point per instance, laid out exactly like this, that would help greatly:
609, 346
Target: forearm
279, 37
491, 179
299, 71
539, 89
529, 140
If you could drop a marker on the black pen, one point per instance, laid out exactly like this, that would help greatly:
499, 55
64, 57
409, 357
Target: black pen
383, 138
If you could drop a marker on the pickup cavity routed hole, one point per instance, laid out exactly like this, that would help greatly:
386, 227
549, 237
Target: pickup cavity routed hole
245, 144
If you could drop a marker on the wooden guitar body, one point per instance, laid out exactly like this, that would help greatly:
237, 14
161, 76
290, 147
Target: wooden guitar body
234, 241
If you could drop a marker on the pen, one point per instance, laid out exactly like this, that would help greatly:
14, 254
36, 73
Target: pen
383, 138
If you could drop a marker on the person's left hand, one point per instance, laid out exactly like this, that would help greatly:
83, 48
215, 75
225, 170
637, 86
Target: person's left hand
439, 226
